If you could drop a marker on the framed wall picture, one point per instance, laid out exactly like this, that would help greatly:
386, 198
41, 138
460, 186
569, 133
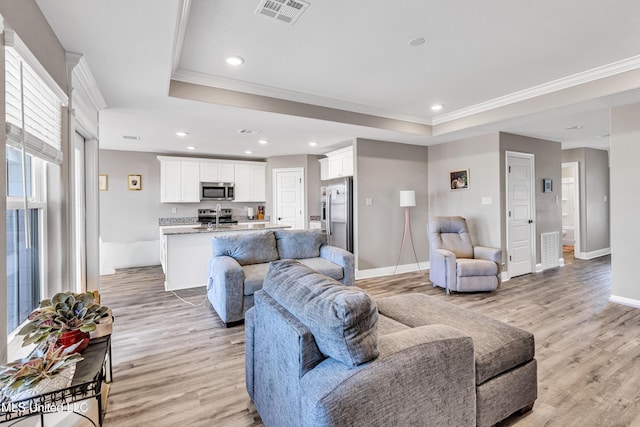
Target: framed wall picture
103, 182
135, 182
547, 185
459, 179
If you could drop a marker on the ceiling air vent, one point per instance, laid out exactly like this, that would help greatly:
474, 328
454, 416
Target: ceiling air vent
283, 10
248, 131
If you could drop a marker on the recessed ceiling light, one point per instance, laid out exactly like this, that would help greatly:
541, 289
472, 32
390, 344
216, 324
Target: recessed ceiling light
418, 41
602, 136
235, 60
191, 147
248, 152
437, 107
574, 127
131, 137
263, 141
182, 133
313, 143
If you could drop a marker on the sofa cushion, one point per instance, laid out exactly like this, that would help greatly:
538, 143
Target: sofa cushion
475, 267
342, 319
498, 347
297, 244
254, 277
324, 266
246, 248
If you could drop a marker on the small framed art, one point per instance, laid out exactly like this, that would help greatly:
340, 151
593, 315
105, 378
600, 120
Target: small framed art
547, 185
459, 179
134, 182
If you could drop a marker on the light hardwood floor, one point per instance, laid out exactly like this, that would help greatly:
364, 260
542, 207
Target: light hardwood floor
175, 364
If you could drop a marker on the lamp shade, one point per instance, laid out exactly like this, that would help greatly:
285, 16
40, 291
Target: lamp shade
407, 198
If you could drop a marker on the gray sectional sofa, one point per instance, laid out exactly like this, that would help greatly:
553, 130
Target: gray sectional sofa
240, 262
322, 354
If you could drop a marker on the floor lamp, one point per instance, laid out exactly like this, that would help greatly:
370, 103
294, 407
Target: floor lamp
407, 200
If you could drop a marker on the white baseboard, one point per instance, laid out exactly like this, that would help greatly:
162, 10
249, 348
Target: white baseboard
625, 301
132, 254
389, 271
593, 254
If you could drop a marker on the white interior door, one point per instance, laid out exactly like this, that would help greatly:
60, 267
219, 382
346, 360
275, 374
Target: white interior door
520, 214
289, 197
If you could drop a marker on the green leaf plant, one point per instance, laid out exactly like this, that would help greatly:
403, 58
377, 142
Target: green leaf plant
64, 312
45, 361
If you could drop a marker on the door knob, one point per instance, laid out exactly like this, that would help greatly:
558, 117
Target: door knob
530, 221
279, 219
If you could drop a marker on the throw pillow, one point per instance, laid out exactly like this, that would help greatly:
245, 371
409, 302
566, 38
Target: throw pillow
300, 244
342, 319
246, 248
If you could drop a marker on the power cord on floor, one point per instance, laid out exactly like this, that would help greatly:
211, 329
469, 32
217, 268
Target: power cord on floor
187, 302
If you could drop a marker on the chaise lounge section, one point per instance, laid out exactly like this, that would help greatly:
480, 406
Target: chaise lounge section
322, 354
240, 262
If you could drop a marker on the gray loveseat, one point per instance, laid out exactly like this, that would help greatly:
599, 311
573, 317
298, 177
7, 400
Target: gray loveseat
240, 262
321, 354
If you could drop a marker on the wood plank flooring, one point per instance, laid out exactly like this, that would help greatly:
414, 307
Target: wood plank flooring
175, 364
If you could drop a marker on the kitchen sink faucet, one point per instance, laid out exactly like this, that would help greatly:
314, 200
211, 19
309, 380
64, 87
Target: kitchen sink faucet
218, 208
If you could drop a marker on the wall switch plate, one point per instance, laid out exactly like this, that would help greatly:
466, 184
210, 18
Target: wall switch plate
368, 201
605, 199
487, 201
174, 210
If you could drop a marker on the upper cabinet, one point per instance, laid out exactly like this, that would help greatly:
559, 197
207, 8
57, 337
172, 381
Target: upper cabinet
339, 164
212, 171
324, 168
250, 182
179, 180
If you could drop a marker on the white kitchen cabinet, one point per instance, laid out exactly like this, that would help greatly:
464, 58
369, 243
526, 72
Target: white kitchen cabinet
179, 181
324, 168
250, 182
340, 163
211, 171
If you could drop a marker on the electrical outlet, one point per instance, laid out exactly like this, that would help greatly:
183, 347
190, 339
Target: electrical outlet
368, 201
174, 210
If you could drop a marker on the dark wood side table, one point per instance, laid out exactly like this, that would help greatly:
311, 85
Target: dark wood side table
91, 372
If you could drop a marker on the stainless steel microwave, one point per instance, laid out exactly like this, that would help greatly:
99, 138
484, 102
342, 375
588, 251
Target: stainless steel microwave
217, 191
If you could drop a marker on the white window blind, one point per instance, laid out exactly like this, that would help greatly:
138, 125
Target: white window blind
42, 108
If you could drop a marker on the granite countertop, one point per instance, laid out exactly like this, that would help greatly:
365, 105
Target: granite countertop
221, 229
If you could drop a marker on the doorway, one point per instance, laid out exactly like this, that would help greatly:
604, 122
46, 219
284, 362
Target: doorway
288, 197
571, 207
520, 213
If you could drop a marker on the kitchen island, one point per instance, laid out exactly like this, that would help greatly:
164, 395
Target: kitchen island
185, 250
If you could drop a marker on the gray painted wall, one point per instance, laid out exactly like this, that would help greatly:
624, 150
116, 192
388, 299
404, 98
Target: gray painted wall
625, 206
481, 156
27, 20
548, 164
594, 188
383, 169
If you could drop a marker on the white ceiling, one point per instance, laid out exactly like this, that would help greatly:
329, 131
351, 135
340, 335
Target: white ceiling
353, 56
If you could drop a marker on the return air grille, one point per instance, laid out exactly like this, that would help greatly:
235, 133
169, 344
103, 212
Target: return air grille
283, 10
550, 249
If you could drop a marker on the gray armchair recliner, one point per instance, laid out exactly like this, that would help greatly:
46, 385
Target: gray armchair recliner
457, 265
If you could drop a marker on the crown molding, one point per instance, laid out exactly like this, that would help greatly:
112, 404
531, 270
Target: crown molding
83, 79
181, 29
577, 79
187, 76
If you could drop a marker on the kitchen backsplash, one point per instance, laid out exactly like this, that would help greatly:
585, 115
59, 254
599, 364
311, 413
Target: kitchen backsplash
178, 220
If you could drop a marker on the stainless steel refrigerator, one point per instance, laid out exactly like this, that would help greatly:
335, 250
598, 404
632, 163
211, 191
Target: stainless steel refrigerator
337, 212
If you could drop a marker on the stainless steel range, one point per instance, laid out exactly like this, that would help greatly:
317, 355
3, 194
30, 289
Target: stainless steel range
206, 216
